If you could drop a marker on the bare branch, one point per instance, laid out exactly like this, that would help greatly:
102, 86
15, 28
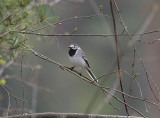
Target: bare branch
69, 115
21, 73
117, 55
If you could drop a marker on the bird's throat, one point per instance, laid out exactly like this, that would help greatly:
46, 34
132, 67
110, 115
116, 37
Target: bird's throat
72, 52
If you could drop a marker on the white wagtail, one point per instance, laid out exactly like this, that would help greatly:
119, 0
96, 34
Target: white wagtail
78, 59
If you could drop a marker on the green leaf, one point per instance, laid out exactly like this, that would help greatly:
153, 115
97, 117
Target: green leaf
16, 44
2, 62
9, 4
137, 74
100, 7
41, 13
2, 81
75, 29
8, 57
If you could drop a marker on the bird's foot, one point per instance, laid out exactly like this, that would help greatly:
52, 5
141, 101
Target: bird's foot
71, 68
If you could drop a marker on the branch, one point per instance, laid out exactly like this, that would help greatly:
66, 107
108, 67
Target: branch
117, 55
22, 82
89, 35
5, 19
68, 115
82, 77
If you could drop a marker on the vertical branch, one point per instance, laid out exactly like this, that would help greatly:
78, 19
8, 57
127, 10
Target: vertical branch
9, 103
117, 55
107, 28
35, 92
22, 83
16, 106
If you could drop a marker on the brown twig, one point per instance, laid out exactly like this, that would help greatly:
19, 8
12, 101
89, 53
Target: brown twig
111, 103
9, 104
5, 19
21, 72
117, 55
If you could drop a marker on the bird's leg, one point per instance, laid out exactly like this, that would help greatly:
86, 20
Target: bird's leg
71, 68
81, 72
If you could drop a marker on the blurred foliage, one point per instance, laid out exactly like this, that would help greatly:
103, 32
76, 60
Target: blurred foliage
41, 12
2, 62
18, 15
14, 16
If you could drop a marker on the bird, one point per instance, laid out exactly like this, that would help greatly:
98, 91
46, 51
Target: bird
78, 59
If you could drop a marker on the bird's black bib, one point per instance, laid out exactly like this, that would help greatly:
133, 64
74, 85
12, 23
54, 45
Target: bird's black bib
72, 52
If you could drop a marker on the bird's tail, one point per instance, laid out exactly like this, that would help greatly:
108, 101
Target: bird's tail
92, 75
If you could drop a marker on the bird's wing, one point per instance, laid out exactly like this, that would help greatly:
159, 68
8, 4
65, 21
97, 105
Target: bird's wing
85, 59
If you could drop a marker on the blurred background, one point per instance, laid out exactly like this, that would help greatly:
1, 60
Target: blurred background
48, 88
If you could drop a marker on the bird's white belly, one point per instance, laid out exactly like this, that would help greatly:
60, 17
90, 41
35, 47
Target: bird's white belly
78, 61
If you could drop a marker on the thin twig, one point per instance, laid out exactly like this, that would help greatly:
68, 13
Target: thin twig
5, 19
111, 103
16, 107
117, 55
21, 72
9, 104
12, 94
125, 103
69, 19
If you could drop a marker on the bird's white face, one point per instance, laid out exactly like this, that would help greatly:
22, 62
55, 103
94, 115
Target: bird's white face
74, 46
